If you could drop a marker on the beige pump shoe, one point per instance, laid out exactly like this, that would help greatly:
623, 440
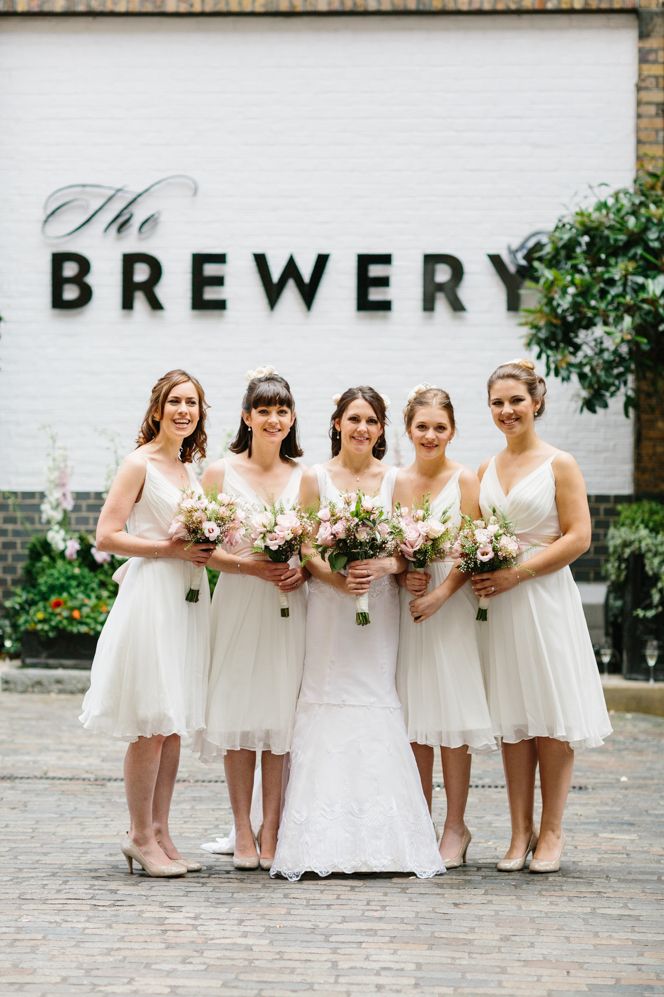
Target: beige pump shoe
516, 865
460, 858
133, 854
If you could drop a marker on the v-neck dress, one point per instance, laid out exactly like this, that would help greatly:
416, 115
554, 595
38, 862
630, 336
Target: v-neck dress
439, 672
354, 800
149, 673
256, 654
541, 671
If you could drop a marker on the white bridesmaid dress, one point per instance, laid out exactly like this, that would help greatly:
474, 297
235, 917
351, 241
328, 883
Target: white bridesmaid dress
542, 675
257, 654
439, 673
354, 801
149, 673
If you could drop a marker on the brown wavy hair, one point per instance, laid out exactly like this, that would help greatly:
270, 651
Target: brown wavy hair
194, 447
523, 371
433, 397
270, 389
371, 397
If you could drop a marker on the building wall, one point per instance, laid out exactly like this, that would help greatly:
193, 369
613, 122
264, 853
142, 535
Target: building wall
401, 135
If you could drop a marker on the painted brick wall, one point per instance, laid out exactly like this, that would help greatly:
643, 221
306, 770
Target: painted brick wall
402, 135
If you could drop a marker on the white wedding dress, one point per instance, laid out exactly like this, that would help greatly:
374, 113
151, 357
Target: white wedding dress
354, 800
439, 673
149, 673
542, 675
257, 654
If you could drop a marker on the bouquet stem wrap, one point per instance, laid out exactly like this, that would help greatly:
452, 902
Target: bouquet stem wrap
362, 617
483, 610
195, 582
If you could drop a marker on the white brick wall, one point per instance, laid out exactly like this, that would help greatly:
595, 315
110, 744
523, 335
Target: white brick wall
343, 135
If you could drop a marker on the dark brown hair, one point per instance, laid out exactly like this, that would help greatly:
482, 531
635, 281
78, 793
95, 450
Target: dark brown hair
523, 371
371, 397
428, 396
194, 446
269, 389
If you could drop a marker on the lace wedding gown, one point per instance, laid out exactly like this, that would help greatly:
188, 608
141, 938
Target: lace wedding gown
149, 673
354, 801
541, 670
439, 674
257, 654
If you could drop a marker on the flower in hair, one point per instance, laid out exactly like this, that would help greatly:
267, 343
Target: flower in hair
336, 399
417, 390
267, 371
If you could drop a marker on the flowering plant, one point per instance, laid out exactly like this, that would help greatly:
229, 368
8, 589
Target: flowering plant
426, 537
355, 529
483, 546
279, 533
205, 519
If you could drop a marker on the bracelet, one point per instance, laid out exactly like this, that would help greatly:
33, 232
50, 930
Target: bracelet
238, 566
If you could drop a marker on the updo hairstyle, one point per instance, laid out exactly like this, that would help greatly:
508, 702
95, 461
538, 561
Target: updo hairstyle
427, 396
377, 402
194, 446
523, 371
268, 389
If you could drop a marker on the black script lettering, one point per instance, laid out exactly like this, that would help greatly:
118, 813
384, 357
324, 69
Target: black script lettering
87, 201
431, 287
512, 281
131, 286
76, 280
200, 280
307, 289
366, 280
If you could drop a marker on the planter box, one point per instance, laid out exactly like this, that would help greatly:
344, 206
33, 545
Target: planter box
635, 631
62, 651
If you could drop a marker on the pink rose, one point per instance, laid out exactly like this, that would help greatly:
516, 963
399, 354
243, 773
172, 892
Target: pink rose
324, 514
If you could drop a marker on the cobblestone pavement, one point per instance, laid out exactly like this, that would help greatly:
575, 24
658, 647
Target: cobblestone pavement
74, 922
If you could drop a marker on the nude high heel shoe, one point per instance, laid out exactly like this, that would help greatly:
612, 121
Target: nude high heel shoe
133, 854
264, 863
189, 866
548, 865
460, 858
516, 865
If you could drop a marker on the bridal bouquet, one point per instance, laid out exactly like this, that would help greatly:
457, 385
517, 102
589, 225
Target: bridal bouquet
355, 529
426, 537
279, 533
205, 519
483, 546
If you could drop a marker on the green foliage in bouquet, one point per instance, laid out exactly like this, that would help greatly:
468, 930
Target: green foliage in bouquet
639, 530
599, 316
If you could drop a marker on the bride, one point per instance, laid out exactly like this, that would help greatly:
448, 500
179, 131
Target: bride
354, 801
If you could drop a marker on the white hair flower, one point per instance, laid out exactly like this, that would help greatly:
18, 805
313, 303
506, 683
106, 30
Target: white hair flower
266, 371
336, 399
417, 390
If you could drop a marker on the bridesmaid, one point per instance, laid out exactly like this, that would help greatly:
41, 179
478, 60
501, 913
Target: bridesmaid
257, 654
439, 675
544, 689
149, 671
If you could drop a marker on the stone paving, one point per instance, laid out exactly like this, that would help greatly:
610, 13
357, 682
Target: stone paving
73, 922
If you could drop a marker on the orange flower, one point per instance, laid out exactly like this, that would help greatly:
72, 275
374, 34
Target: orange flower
76, 613
103, 607
57, 603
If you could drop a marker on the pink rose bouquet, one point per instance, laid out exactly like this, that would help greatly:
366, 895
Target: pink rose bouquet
426, 537
280, 533
205, 519
355, 529
483, 546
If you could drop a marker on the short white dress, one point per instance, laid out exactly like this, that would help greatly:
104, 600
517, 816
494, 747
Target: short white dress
149, 673
439, 673
542, 675
354, 800
257, 654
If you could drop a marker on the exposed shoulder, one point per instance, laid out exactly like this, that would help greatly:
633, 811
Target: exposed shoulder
481, 470
467, 476
134, 465
213, 475
565, 467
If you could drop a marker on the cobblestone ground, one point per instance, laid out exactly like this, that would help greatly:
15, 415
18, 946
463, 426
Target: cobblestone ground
74, 922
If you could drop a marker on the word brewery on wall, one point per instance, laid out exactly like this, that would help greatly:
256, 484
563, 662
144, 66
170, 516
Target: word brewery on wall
140, 273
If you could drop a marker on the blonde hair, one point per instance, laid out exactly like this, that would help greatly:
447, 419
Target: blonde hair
427, 395
524, 371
